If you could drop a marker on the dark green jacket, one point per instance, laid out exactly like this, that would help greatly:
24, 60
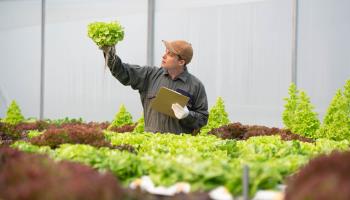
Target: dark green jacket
148, 80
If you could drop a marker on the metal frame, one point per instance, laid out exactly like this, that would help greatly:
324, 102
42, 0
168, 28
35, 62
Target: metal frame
294, 68
42, 62
150, 32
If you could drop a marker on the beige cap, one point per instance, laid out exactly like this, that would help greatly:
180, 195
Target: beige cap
180, 48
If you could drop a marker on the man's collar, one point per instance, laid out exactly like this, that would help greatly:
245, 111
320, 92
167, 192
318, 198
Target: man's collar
183, 76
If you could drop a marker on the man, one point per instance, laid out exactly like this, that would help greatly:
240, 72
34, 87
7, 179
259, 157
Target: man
172, 74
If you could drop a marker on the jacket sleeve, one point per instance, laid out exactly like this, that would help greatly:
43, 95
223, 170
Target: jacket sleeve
198, 115
128, 75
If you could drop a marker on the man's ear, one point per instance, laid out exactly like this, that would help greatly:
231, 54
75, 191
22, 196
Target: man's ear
182, 62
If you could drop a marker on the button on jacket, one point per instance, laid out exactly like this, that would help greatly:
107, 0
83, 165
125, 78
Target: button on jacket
148, 80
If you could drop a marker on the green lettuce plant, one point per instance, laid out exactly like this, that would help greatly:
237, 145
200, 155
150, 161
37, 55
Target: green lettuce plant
140, 127
298, 115
217, 116
306, 120
123, 117
13, 115
66, 120
34, 133
336, 122
105, 34
288, 114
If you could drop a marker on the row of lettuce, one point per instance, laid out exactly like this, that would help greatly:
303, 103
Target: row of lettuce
205, 162
298, 116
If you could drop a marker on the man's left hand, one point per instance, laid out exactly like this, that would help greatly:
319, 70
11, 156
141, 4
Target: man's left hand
179, 111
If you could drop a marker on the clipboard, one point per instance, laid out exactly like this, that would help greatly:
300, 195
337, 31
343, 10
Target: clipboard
165, 98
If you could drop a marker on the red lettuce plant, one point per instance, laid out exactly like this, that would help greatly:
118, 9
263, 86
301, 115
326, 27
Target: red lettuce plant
31, 176
242, 132
325, 177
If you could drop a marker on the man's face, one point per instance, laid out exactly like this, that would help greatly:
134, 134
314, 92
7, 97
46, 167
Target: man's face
171, 60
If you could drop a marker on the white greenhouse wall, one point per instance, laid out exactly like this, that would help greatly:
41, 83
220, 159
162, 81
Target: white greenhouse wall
242, 52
